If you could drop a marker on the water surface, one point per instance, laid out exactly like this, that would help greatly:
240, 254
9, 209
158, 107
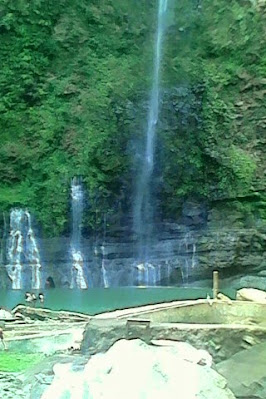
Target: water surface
99, 300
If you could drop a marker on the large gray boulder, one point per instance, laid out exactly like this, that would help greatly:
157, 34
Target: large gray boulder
246, 372
135, 370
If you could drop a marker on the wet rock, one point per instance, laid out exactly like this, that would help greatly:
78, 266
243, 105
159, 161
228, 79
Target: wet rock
99, 336
256, 282
246, 372
47, 314
224, 243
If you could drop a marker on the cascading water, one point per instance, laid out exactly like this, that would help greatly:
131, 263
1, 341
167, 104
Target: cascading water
33, 255
22, 248
104, 272
189, 262
77, 272
143, 206
15, 249
193, 261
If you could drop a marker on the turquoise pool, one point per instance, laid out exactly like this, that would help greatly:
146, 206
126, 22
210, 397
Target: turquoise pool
98, 300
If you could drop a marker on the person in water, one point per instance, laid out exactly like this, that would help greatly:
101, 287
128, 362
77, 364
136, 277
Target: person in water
49, 283
30, 298
41, 298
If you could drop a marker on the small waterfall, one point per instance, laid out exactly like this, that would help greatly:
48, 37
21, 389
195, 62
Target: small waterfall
22, 249
193, 262
77, 277
158, 276
143, 206
15, 249
168, 271
152, 278
77, 272
33, 255
3, 240
190, 261
147, 274
104, 272
77, 210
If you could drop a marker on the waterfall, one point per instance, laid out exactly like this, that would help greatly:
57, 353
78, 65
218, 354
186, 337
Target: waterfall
15, 249
193, 261
104, 272
77, 272
22, 248
33, 256
190, 257
143, 206
77, 210
169, 271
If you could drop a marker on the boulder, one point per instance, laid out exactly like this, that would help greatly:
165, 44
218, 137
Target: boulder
185, 351
133, 369
251, 294
47, 314
246, 372
224, 298
6, 315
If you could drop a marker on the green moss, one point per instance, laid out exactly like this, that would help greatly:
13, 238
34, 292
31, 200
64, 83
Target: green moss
16, 362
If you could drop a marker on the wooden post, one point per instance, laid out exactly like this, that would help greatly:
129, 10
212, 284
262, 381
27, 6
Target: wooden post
215, 287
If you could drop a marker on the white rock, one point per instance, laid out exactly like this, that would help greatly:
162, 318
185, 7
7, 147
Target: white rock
186, 351
251, 294
66, 384
134, 370
5, 314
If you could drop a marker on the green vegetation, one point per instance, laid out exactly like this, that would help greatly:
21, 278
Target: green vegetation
16, 361
215, 145
74, 82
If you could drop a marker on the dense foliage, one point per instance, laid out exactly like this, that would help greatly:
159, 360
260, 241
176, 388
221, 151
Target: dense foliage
218, 72
74, 83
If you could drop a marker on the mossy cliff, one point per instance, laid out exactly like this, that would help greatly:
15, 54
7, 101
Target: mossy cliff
74, 86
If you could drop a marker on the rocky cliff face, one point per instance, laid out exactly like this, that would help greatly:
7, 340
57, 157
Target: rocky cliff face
183, 253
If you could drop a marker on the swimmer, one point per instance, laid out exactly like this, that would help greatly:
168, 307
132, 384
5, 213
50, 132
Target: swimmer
41, 297
30, 297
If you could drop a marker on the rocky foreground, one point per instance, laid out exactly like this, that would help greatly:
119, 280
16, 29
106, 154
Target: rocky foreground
131, 368
137, 370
